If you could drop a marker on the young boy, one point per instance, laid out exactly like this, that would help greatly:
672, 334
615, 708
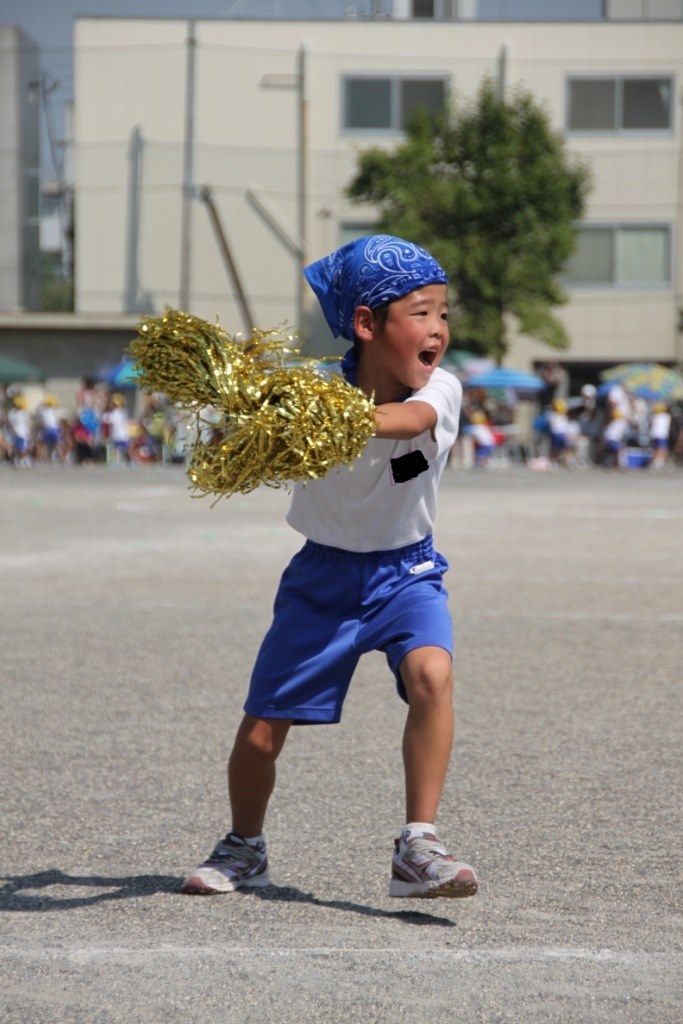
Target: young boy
368, 577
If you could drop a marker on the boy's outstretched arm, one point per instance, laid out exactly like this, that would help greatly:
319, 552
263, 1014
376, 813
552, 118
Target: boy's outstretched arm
400, 421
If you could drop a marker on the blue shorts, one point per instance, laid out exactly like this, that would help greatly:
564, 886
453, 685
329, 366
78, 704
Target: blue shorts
331, 607
51, 435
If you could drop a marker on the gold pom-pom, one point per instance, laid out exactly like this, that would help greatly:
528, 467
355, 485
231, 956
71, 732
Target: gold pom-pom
277, 418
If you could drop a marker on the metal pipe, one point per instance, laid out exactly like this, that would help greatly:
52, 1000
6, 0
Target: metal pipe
303, 178
188, 189
206, 197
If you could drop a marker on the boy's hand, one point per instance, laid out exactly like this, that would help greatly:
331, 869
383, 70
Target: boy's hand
401, 421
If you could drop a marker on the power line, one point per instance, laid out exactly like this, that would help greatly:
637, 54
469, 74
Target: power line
365, 54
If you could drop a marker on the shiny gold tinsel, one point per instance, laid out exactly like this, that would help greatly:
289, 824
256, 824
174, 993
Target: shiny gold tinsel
276, 422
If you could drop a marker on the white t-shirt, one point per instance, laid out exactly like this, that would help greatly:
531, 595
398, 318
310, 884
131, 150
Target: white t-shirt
619, 400
482, 434
558, 423
660, 426
387, 499
49, 419
118, 425
20, 424
615, 431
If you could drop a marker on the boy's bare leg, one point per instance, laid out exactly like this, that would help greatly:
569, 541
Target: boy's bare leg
427, 674
251, 771
421, 865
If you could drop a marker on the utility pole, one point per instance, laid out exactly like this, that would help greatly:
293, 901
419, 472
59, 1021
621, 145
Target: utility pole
504, 69
299, 82
188, 188
302, 77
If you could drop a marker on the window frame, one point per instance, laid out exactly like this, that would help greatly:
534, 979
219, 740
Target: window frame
615, 285
442, 10
395, 79
425, 17
619, 79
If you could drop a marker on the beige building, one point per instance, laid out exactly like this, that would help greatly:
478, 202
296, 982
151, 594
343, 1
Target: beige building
268, 116
19, 171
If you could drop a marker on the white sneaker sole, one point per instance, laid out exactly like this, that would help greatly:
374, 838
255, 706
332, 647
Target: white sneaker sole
196, 885
452, 888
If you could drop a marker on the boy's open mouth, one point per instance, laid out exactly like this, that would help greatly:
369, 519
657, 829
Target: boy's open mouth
427, 356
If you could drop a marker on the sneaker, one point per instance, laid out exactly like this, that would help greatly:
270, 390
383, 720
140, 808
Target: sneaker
233, 864
423, 867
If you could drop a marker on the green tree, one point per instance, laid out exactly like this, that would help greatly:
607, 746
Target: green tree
491, 191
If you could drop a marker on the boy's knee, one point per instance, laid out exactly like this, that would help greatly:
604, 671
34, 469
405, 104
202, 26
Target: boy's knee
428, 678
264, 737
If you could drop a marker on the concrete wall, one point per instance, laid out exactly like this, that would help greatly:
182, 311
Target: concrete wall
130, 128
19, 171
66, 348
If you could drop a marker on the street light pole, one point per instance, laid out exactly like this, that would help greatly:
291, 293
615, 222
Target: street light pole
188, 154
303, 177
299, 82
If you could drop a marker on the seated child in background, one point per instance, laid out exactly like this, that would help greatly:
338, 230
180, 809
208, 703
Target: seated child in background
558, 426
660, 427
614, 438
484, 438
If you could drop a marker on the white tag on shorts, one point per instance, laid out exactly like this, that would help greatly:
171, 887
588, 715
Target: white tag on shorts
422, 567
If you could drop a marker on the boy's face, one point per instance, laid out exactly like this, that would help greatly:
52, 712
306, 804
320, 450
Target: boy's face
406, 350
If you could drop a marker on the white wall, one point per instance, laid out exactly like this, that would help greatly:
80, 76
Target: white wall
19, 171
130, 76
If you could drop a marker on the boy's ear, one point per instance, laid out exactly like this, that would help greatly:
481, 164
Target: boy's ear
364, 323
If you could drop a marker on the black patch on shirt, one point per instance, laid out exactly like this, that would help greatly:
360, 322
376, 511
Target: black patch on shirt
407, 467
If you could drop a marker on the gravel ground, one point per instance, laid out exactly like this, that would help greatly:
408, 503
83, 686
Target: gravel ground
130, 614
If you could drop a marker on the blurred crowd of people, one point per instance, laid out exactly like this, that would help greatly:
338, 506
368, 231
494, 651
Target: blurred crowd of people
103, 425
603, 426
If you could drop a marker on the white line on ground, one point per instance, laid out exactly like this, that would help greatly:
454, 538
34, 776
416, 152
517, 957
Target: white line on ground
507, 955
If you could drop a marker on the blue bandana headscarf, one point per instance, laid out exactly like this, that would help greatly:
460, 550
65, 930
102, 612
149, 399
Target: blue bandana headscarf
369, 272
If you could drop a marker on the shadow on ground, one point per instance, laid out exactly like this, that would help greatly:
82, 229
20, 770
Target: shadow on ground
45, 891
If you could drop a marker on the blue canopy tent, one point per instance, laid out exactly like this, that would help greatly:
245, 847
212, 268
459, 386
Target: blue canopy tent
123, 375
463, 362
503, 379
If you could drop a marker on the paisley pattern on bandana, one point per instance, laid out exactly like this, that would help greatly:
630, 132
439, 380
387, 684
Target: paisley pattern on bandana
369, 272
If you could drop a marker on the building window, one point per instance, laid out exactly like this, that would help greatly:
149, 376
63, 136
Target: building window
435, 10
619, 104
379, 104
621, 256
